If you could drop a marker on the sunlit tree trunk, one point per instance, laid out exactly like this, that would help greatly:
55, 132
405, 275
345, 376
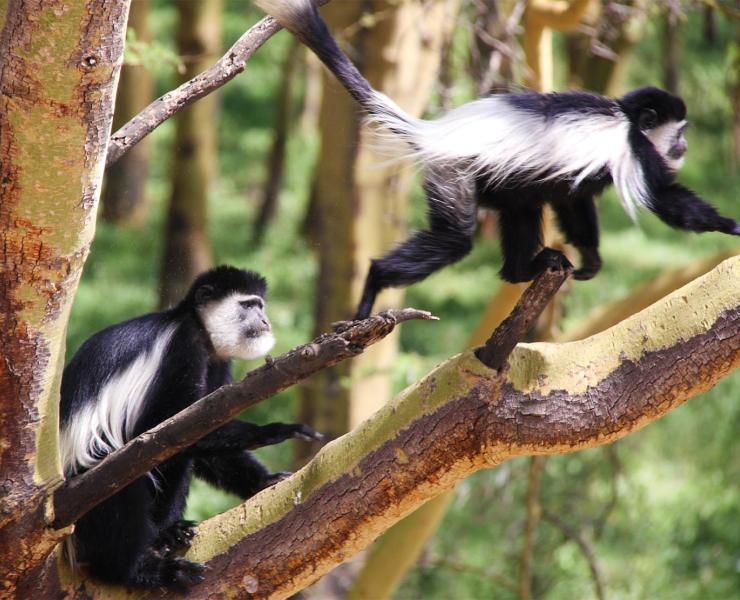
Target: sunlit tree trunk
58, 76
540, 18
734, 93
187, 249
124, 193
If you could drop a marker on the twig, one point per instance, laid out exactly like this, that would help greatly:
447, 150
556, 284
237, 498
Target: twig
583, 545
460, 567
530, 529
81, 493
496, 350
616, 469
226, 68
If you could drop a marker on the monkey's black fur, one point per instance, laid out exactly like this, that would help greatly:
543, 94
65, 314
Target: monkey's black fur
133, 537
516, 173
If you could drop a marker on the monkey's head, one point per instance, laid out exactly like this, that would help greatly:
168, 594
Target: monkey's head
230, 303
661, 117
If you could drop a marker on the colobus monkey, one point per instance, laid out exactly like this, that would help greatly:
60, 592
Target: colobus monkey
513, 153
134, 375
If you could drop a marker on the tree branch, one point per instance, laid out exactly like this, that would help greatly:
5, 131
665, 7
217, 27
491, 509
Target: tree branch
464, 416
139, 456
533, 301
226, 68
586, 549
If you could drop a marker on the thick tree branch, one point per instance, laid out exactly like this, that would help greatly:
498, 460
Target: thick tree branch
464, 416
79, 494
226, 68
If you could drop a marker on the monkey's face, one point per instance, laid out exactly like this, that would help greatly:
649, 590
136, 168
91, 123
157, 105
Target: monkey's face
670, 142
238, 326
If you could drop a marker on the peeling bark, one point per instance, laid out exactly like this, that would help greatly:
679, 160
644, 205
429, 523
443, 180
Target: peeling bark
60, 64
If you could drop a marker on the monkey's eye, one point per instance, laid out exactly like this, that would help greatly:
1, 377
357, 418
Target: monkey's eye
251, 303
648, 119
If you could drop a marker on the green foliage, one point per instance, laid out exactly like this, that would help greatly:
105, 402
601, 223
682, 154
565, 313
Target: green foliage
673, 531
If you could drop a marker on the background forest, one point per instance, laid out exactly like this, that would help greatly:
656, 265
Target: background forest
656, 515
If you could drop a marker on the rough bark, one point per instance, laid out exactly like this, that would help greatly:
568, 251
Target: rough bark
463, 416
58, 73
187, 249
124, 192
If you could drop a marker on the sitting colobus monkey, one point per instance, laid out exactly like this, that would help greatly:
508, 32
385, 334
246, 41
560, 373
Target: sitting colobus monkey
514, 152
134, 375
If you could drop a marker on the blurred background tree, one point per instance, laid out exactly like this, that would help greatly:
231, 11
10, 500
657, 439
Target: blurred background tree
124, 194
646, 518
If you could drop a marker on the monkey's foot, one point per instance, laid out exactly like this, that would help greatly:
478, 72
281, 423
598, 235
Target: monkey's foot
274, 433
177, 536
552, 259
590, 264
306, 433
173, 572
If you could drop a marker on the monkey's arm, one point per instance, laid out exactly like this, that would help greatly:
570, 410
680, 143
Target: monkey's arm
240, 435
238, 472
679, 207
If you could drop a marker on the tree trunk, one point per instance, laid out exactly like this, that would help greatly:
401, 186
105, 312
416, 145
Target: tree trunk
60, 65
540, 18
124, 193
598, 62
324, 401
359, 206
187, 250
734, 93
276, 160
403, 55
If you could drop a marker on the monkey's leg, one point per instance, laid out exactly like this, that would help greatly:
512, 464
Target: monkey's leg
521, 243
521, 239
452, 224
579, 223
240, 435
237, 472
116, 540
681, 208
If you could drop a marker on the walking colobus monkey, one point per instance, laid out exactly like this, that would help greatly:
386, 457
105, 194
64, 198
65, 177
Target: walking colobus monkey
513, 153
134, 375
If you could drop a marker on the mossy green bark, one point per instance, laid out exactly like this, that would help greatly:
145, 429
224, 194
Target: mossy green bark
58, 73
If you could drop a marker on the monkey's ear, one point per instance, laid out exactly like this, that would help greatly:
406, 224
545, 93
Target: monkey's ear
648, 119
204, 293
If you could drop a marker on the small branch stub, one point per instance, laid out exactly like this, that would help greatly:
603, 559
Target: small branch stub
535, 298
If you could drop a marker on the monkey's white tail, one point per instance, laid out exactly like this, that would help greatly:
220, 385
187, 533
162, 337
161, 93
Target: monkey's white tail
302, 18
